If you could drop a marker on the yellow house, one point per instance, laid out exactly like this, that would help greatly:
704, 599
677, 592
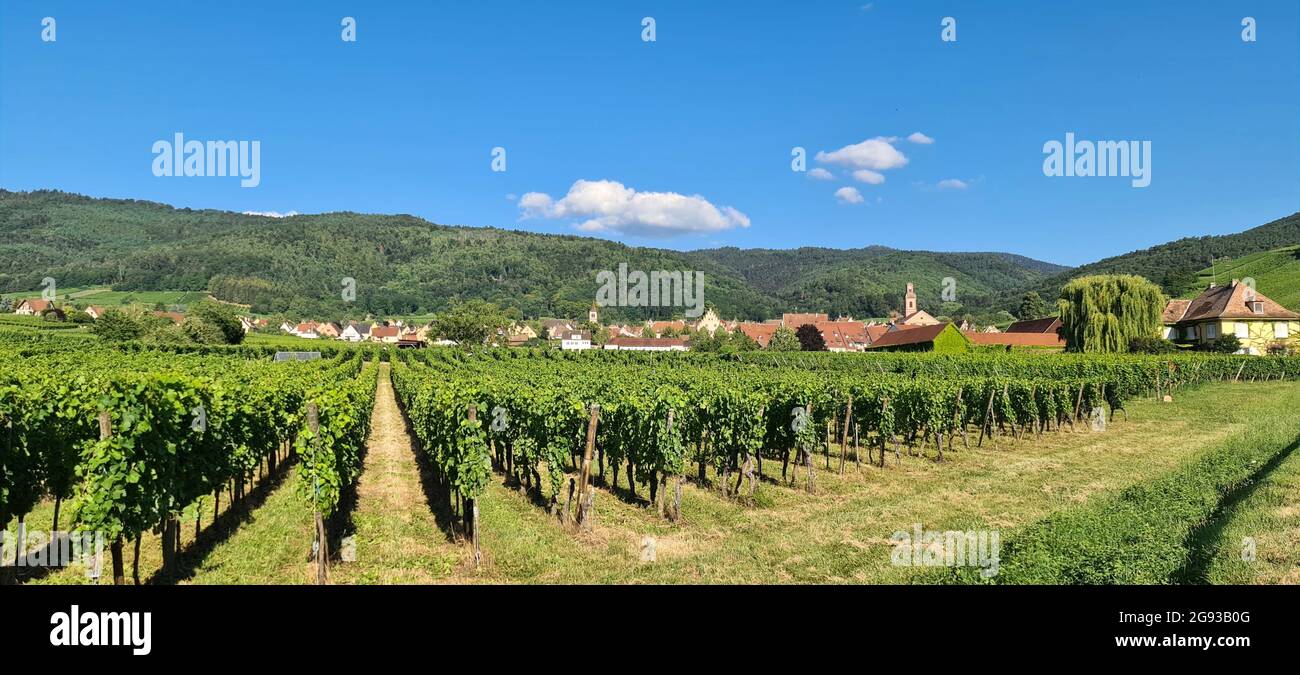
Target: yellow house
1237, 309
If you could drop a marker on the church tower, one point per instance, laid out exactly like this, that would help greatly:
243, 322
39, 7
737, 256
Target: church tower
909, 301
593, 315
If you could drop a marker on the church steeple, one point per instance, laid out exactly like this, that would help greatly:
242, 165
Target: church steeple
593, 314
909, 301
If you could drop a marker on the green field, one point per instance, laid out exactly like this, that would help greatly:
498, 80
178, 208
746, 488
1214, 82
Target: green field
107, 297
1276, 274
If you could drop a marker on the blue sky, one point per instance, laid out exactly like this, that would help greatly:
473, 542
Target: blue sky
404, 120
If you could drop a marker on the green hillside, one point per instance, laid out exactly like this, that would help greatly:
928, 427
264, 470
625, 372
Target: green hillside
406, 265
1276, 274
1174, 265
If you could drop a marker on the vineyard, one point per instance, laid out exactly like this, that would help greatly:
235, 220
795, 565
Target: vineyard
133, 440
659, 418
137, 439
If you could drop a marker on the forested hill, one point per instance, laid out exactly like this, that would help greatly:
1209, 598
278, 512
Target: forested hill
404, 264
1175, 265
874, 277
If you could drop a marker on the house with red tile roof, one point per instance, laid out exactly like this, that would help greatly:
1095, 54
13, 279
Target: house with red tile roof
759, 332
844, 336
1261, 324
1012, 340
874, 332
32, 307
660, 327
794, 321
389, 334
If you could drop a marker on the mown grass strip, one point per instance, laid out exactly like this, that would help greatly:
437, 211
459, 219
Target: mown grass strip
1256, 539
1145, 534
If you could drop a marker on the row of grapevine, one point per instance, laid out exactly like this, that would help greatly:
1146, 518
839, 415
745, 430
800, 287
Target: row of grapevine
658, 416
137, 439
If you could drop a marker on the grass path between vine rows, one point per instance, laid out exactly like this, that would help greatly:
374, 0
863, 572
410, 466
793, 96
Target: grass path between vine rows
398, 540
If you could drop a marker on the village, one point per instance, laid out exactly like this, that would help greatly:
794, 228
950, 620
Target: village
1259, 324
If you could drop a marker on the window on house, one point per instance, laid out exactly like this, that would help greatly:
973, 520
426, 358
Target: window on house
1191, 332
1281, 330
1242, 330
1211, 331
1257, 307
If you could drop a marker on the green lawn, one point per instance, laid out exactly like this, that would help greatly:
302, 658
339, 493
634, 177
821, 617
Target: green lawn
1267, 515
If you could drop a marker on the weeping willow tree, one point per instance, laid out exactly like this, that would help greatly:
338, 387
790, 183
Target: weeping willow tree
1102, 313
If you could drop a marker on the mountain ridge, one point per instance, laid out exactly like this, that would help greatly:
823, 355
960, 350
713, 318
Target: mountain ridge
403, 264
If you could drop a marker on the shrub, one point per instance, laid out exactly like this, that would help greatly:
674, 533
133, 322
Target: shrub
116, 325
1279, 348
220, 316
784, 340
810, 339
1151, 345
1224, 344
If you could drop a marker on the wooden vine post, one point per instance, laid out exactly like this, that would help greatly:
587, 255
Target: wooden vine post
958, 422
471, 510
115, 549
1006, 390
830, 424
585, 496
988, 412
844, 436
675, 509
857, 449
807, 456
884, 409
322, 541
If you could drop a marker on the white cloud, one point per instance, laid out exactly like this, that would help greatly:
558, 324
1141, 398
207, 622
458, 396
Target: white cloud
875, 154
953, 184
271, 214
868, 176
610, 206
510, 196
821, 174
867, 7
920, 138
535, 203
848, 195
